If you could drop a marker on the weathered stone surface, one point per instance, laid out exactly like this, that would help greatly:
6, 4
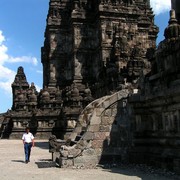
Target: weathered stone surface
86, 161
155, 111
93, 128
98, 151
107, 120
108, 113
100, 135
88, 136
114, 112
99, 111
105, 128
95, 120
66, 163
89, 152
97, 143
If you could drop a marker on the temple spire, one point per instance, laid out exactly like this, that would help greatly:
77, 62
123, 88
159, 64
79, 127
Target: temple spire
175, 4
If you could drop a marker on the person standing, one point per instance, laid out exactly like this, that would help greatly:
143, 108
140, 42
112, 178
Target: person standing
28, 141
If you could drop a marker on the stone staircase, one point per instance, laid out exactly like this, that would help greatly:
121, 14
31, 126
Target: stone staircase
85, 145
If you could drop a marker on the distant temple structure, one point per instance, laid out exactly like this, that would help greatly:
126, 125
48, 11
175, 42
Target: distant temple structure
175, 4
109, 94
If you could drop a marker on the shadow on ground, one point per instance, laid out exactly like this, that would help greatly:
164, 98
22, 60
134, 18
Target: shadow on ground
143, 172
18, 161
45, 163
42, 145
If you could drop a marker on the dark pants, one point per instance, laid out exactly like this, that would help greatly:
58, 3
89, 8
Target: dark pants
27, 150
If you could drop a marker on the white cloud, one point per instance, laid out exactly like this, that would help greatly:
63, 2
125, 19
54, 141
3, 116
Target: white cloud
6, 78
38, 88
160, 6
3, 54
23, 59
2, 38
39, 72
6, 74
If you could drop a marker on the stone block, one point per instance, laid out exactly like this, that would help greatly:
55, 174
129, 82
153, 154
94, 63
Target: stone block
88, 136
100, 135
55, 156
113, 99
98, 151
80, 146
108, 134
122, 94
97, 144
71, 124
107, 120
84, 144
95, 120
99, 111
81, 117
86, 161
79, 161
107, 112
114, 112
105, 104
93, 128
78, 129
111, 120
89, 152
73, 136
74, 152
104, 120
105, 128
65, 163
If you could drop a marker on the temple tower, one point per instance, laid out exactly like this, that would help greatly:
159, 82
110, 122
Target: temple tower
95, 43
175, 4
19, 85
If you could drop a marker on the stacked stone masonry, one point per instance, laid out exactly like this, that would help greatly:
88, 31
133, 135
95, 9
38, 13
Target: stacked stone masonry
95, 139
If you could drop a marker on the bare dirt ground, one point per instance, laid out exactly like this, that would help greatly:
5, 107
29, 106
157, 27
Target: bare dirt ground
12, 167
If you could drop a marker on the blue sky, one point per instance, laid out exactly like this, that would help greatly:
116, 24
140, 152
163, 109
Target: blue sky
22, 26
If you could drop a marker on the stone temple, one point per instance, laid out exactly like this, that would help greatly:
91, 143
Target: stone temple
109, 93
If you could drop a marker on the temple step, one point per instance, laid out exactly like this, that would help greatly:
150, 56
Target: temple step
73, 143
81, 133
78, 137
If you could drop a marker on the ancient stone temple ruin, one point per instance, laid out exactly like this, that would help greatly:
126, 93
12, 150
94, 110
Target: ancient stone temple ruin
109, 94
91, 49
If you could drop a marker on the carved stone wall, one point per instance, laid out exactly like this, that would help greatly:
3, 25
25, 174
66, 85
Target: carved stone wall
95, 42
102, 134
155, 117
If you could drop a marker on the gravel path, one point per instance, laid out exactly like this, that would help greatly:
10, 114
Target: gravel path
12, 167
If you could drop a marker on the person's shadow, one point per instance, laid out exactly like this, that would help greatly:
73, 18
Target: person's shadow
18, 161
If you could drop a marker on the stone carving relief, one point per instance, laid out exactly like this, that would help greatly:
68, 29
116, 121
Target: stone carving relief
78, 68
52, 73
